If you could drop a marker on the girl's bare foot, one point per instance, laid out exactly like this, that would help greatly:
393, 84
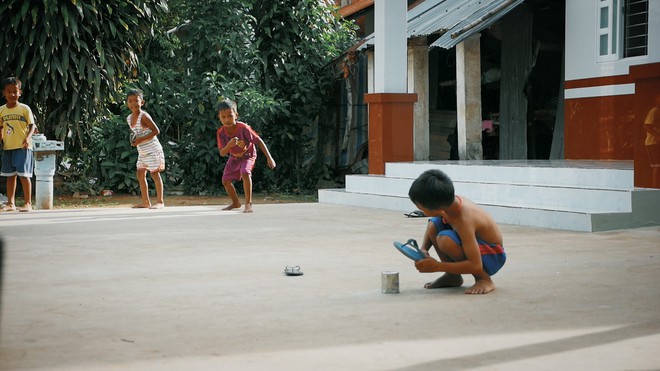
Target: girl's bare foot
141, 206
8, 207
446, 280
248, 208
159, 205
232, 206
481, 286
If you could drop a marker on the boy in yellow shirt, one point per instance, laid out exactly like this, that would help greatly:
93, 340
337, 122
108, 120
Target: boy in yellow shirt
17, 124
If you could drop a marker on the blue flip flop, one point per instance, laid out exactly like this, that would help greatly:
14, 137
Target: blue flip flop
410, 249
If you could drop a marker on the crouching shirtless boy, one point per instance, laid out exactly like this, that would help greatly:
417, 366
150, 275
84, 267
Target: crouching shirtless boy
465, 237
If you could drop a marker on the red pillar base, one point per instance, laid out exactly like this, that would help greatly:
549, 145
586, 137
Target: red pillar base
390, 129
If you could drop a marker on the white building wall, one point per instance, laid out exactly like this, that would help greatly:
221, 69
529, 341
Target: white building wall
391, 58
581, 16
654, 30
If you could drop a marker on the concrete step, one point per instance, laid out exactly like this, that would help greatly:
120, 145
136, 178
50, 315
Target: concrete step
582, 196
522, 195
507, 215
577, 174
340, 196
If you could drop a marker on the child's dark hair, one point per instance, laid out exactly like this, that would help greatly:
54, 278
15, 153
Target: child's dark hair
137, 92
432, 190
227, 104
11, 81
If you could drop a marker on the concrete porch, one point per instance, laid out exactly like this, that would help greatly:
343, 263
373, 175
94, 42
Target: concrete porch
586, 196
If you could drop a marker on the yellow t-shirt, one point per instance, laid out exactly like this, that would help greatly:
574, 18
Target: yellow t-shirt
15, 123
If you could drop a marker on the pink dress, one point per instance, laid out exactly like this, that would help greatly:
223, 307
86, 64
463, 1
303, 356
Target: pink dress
241, 159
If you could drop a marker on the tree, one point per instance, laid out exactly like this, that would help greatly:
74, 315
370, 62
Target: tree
275, 58
72, 55
297, 42
77, 57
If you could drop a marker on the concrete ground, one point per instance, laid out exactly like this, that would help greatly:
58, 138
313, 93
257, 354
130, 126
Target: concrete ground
201, 289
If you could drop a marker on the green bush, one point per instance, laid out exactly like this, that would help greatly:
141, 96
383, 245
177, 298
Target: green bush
274, 58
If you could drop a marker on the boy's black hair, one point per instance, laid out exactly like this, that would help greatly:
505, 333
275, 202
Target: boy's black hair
11, 81
432, 190
137, 92
227, 104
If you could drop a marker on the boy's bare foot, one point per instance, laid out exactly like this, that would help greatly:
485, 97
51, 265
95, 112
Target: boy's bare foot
248, 208
159, 205
141, 206
481, 286
446, 280
25, 208
232, 206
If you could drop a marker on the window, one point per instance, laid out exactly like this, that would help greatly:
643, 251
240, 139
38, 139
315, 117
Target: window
636, 23
608, 19
622, 29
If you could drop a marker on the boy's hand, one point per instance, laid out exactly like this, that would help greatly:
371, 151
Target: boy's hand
271, 163
26, 143
427, 265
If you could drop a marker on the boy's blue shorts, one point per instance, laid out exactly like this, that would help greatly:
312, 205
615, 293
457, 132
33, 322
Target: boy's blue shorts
492, 255
17, 162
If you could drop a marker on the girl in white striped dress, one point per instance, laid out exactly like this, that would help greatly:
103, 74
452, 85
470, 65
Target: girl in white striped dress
150, 153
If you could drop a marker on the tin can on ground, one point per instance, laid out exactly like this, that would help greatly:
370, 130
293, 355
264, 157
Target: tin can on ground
389, 282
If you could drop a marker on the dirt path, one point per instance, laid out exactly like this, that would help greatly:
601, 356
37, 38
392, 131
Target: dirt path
71, 202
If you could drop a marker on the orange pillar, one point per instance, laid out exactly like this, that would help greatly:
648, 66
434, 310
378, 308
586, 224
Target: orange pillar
390, 129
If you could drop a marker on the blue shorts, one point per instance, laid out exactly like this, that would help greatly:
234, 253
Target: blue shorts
17, 162
492, 255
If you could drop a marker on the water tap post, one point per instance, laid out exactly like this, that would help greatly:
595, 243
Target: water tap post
44, 169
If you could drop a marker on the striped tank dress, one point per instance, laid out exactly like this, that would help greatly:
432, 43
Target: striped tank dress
150, 153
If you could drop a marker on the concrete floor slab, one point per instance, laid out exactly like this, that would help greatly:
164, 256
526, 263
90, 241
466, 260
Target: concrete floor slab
202, 289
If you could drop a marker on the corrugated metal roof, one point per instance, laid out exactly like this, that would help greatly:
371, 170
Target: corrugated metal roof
459, 21
454, 19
